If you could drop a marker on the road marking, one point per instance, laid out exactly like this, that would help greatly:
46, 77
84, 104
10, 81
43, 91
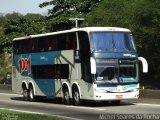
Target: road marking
156, 105
39, 113
87, 108
8, 94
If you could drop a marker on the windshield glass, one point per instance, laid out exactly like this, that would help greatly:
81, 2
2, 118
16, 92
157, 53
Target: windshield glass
112, 41
106, 72
127, 71
122, 73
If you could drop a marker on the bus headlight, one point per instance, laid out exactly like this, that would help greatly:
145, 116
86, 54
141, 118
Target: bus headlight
135, 90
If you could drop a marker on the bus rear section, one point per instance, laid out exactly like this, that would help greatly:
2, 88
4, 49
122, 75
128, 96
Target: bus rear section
37, 69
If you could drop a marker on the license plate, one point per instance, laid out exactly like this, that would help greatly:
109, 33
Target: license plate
119, 96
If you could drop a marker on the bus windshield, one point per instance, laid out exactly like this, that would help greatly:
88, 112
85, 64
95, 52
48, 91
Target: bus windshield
122, 73
112, 42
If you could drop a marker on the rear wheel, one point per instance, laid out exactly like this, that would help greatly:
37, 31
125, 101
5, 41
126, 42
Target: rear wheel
76, 97
66, 96
31, 94
25, 94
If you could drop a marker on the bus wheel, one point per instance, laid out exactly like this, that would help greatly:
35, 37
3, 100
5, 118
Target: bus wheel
76, 97
25, 94
66, 97
31, 94
115, 102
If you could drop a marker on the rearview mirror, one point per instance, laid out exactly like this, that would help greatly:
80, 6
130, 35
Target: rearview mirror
144, 64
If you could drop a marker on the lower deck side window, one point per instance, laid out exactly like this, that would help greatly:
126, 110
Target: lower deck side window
58, 71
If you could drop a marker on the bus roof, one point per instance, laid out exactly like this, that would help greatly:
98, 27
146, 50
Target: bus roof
87, 29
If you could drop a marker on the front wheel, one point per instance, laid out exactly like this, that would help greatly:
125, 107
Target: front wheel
76, 97
25, 94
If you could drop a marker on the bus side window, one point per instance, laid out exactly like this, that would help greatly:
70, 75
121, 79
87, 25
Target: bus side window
55, 71
71, 42
33, 45
68, 43
51, 43
61, 42
74, 42
41, 44
25, 46
21, 48
16, 47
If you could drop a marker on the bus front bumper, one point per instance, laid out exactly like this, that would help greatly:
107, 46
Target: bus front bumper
116, 96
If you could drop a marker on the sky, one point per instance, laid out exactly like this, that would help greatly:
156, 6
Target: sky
22, 6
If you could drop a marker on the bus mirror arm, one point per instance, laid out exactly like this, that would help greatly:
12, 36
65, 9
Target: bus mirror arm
93, 65
144, 64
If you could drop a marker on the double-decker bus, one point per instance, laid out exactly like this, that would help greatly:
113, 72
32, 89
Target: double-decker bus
92, 63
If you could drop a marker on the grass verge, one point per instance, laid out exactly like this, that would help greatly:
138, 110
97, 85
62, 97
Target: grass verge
12, 115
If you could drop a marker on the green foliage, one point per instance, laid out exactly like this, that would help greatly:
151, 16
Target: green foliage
12, 115
29, 24
5, 68
64, 9
13, 15
62, 6
62, 21
17, 25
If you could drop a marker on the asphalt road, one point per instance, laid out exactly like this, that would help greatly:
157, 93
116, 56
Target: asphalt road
88, 111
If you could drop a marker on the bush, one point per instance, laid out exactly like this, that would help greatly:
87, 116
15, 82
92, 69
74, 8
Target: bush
5, 68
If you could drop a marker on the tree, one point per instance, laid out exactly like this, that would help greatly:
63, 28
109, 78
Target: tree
62, 6
17, 25
64, 9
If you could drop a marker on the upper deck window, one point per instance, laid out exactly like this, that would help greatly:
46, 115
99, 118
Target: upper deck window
112, 42
65, 41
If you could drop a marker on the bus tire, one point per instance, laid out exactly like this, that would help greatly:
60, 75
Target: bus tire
25, 94
31, 94
66, 96
76, 97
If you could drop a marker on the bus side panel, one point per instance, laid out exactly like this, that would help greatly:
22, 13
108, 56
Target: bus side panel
75, 76
45, 87
16, 82
86, 89
22, 71
67, 57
